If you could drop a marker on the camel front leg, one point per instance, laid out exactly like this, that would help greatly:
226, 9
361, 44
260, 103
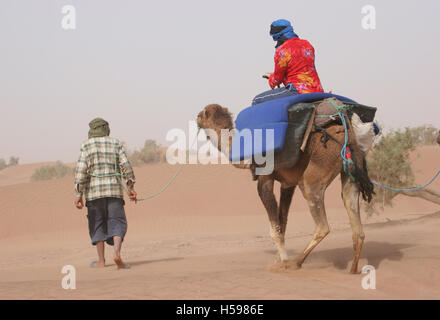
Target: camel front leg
265, 191
350, 196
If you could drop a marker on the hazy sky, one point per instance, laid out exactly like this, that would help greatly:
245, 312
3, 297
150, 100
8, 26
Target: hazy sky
150, 66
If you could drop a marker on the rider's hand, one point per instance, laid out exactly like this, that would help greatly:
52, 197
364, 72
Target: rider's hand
266, 76
133, 196
79, 203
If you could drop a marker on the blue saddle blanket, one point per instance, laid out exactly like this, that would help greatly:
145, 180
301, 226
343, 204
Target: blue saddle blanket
253, 138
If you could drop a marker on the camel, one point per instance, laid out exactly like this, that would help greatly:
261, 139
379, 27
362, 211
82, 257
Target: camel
317, 167
438, 138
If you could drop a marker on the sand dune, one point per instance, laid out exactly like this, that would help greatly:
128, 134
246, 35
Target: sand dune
207, 237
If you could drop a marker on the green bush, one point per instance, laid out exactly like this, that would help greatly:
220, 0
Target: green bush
150, 153
3, 164
389, 162
13, 161
49, 172
424, 135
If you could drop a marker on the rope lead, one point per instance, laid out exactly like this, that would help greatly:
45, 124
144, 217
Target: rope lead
118, 177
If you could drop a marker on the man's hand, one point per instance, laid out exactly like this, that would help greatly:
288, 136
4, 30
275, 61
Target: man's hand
266, 75
133, 196
79, 203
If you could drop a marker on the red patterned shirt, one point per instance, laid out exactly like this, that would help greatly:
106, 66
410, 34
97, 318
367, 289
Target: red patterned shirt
295, 64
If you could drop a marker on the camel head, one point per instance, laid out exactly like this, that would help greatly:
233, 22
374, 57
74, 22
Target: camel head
215, 117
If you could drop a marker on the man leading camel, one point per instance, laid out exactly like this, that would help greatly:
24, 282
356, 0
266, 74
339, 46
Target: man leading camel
294, 65
97, 176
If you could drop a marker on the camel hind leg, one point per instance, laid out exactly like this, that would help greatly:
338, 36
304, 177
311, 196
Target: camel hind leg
277, 214
320, 172
350, 196
315, 200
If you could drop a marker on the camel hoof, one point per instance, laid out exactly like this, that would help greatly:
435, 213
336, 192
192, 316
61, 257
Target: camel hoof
354, 271
297, 264
291, 264
283, 266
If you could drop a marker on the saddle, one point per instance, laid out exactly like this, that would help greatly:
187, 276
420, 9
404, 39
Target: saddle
291, 119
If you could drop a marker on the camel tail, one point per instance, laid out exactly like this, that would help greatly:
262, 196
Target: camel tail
360, 172
365, 186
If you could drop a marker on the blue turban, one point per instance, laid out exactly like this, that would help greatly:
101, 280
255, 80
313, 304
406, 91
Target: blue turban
281, 30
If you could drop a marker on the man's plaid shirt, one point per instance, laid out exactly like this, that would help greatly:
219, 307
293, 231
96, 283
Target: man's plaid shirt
101, 156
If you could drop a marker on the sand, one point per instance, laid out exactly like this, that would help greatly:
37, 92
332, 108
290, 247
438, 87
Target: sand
207, 237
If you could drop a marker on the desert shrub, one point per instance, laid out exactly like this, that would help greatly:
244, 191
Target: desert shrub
389, 164
3, 164
13, 161
49, 172
424, 135
150, 153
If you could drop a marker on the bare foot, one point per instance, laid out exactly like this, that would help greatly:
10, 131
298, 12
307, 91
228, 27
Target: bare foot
97, 264
121, 264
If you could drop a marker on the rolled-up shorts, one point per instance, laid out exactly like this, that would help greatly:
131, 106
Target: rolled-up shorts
277, 93
106, 219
